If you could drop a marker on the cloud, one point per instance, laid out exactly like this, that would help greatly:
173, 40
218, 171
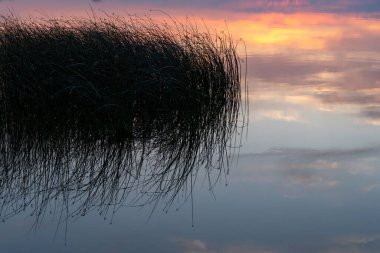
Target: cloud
322, 169
190, 245
198, 246
372, 112
356, 39
316, 83
298, 70
287, 68
356, 243
265, 5
280, 115
338, 244
361, 239
347, 97
259, 6
300, 154
291, 6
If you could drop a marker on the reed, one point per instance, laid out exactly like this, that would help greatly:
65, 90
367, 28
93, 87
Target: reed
95, 109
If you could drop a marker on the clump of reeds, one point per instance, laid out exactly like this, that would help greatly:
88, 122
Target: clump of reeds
95, 109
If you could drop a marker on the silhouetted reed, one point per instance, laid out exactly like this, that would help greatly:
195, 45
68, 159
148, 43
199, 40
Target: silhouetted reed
93, 110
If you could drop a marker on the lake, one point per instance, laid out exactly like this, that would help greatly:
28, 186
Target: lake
307, 175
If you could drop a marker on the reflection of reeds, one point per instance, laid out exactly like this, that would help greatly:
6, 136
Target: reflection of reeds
93, 110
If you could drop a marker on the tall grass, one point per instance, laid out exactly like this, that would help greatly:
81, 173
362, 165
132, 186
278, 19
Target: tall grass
93, 110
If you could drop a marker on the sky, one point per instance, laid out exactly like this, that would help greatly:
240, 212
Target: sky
362, 7
308, 175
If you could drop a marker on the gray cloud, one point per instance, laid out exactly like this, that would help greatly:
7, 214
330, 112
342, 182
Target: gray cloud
366, 41
348, 98
367, 77
308, 155
356, 74
285, 68
288, 6
372, 112
308, 167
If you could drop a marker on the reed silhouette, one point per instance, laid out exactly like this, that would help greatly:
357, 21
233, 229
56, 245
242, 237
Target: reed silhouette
97, 111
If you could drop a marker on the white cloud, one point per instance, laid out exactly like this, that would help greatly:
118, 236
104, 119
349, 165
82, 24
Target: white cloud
280, 115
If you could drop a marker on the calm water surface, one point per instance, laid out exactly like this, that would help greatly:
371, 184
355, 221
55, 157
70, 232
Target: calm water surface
308, 175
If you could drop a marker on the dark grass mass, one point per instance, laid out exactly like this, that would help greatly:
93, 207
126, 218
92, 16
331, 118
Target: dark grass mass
95, 109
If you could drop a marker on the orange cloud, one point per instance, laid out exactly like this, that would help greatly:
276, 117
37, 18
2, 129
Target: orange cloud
302, 31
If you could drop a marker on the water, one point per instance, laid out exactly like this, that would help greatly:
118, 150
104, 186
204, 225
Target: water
307, 178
